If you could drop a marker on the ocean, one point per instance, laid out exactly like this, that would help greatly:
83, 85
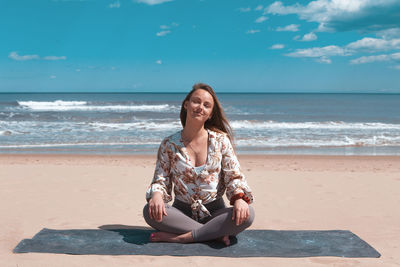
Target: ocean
135, 123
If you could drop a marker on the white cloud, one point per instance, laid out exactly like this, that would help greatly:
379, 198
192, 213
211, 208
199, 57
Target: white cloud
54, 58
325, 60
389, 33
14, 55
244, 9
309, 37
258, 8
363, 45
53, 77
397, 67
152, 2
166, 28
115, 5
78, 70
163, 33
321, 54
374, 44
288, 28
159, 62
344, 15
173, 24
396, 56
375, 58
252, 31
261, 19
277, 46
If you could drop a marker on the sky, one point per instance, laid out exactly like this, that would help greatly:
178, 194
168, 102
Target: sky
324, 46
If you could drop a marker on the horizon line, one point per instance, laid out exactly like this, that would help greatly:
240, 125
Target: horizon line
184, 92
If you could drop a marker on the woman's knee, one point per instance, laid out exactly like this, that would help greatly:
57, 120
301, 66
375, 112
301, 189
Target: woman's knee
146, 215
250, 219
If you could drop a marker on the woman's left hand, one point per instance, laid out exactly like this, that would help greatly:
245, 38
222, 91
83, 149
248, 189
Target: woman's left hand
240, 211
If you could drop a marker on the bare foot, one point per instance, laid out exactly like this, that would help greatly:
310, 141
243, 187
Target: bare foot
225, 240
171, 238
162, 237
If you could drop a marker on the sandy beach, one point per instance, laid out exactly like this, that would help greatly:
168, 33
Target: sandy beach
356, 193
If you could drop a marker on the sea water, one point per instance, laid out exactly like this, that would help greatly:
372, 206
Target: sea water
132, 123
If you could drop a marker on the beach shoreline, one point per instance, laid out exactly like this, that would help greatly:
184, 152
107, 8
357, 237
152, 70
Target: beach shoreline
292, 192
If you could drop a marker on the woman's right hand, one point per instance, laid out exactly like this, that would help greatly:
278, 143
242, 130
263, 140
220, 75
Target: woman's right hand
157, 207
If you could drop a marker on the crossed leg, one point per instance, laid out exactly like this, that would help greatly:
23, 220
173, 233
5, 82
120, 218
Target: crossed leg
180, 228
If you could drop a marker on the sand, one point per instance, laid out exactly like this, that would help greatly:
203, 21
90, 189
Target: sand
356, 193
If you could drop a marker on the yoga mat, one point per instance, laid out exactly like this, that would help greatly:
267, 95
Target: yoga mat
250, 243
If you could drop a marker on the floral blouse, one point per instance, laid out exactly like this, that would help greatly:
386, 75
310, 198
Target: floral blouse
221, 172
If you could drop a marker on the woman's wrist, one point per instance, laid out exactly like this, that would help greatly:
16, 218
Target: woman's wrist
239, 196
156, 195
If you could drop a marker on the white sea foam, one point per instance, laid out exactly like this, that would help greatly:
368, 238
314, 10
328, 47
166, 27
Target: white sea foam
339, 141
339, 125
143, 125
247, 133
38, 145
60, 105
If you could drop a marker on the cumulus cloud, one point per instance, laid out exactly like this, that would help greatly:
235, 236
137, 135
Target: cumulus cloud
321, 54
163, 33
375, 58
309, 37
258, 8
277, 46
14, 55
326, 51
152, 2
159, 62
115, 5
344, 15
367, 44
288, 28
252, 31
53, 77
389, 33
261, 19
374, 44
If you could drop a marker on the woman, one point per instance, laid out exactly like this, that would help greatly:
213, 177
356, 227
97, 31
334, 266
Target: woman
201, 164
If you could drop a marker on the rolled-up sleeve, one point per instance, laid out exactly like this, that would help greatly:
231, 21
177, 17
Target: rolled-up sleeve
161, 180
235, 181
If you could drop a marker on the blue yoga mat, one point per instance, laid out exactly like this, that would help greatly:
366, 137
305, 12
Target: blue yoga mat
250, 243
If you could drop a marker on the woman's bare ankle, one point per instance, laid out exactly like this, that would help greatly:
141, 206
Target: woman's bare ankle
171, 238
185, 238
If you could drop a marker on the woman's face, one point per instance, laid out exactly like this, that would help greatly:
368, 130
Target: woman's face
200, 105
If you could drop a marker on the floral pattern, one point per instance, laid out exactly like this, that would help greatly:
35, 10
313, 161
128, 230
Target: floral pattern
221, 173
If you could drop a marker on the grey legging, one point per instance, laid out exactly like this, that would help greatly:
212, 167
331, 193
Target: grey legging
179, 221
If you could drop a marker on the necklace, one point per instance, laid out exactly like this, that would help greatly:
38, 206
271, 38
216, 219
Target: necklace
188, 143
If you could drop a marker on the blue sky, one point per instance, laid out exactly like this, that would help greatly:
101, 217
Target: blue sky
167, 45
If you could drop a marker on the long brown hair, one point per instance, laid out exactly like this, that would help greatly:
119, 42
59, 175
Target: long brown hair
218, 121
